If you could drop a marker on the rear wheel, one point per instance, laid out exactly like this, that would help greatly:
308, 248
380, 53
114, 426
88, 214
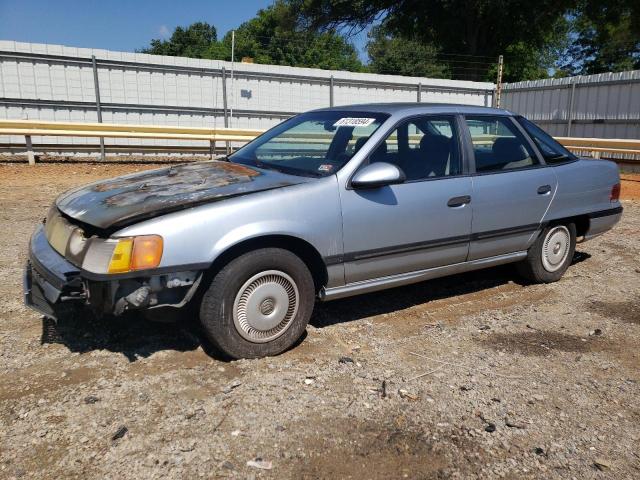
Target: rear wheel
259, 304
550, 255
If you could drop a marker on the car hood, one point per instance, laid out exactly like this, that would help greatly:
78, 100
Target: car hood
123, 200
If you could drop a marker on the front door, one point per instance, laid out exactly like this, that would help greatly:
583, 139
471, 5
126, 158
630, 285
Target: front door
512, 190
422, 223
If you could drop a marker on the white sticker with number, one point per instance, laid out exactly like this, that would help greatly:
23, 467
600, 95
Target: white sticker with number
354, 122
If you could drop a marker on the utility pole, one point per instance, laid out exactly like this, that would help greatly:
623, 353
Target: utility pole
331, 80
233, 48
96, 86
572, 95
499, 81
224, 104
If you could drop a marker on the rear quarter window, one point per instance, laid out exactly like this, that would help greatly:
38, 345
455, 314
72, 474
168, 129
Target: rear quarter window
552, 151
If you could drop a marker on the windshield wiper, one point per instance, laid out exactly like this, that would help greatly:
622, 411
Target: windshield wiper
268, 166
557, 156
287, 170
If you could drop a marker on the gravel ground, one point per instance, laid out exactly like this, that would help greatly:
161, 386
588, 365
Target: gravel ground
473, 376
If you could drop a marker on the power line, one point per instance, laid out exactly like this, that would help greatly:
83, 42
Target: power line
305, 43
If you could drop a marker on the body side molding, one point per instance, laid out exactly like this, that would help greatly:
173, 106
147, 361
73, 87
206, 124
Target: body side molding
417, 276
606, 213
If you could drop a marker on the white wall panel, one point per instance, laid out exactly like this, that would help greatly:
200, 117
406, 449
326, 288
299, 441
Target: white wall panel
605, 105
30, 81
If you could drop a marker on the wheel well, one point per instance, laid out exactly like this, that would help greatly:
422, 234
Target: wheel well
303, 249
581, 222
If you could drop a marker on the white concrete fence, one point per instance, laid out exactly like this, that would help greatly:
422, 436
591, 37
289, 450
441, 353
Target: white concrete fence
606, 105
64, 84
57, 83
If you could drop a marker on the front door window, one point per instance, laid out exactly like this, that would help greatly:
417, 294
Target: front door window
424, 147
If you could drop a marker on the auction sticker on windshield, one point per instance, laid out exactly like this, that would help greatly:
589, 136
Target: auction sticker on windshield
354, 122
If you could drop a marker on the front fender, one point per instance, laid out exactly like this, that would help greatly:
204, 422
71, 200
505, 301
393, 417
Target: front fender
260, 229
309, 211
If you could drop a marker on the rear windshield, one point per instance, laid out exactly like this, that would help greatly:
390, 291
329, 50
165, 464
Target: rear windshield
551, 150
314, 144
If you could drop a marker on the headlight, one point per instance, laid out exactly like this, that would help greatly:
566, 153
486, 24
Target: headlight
101, 255
136, 253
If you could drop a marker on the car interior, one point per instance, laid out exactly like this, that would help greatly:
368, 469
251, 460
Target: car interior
506, 153
433, 156
421, 148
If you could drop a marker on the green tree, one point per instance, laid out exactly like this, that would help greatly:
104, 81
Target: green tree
272, 37
478, 30
399, 56
526, 62
193, 41
606, 37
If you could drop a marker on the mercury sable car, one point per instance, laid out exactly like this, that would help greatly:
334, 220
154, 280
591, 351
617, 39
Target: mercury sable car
328, 204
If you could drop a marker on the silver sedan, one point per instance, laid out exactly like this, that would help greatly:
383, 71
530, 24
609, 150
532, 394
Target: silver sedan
328, 204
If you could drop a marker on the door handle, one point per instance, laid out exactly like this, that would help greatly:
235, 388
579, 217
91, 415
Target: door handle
544, 189
459, 201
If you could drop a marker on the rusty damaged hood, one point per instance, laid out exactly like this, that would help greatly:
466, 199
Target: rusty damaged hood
122, 200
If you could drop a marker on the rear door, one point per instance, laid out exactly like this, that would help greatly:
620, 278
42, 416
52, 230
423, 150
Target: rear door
512, 188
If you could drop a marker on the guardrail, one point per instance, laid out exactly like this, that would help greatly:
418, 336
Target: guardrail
597, 146
30, 128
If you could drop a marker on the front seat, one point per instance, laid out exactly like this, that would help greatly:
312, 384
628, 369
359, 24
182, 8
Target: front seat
435, 151
359, 144
345, 157
379, 154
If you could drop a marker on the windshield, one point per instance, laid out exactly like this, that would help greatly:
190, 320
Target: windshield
314, 144
551, 150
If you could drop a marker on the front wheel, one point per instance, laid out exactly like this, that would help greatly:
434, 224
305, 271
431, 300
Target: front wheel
550, 255
259, 304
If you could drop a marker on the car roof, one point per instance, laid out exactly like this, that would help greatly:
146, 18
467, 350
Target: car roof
417, 108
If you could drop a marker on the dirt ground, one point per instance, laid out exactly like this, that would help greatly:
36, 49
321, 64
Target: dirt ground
473, 376
630, 183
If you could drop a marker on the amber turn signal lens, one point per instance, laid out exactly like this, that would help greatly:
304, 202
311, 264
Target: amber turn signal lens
147, 252
137, 253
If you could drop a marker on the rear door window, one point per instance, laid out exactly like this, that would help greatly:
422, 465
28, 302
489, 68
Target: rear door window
498, 145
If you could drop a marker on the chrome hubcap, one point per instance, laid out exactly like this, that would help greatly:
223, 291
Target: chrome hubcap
556, 248
265, 306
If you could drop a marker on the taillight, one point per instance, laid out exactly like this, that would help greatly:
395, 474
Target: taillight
615, 193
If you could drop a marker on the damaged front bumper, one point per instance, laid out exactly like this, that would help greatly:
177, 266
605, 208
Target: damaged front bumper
52, 284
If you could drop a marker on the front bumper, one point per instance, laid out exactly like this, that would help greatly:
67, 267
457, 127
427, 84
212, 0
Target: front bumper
52, 285
49, 280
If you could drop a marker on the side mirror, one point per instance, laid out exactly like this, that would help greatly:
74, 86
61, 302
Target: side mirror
378, 174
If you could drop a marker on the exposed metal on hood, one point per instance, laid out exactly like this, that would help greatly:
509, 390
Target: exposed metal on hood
117, 202
176, 181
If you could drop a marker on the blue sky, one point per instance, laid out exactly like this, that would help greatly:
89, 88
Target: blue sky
116, 24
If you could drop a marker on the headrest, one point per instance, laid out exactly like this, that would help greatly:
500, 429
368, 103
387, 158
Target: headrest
508, 149
435, 143
360, 143
380, 153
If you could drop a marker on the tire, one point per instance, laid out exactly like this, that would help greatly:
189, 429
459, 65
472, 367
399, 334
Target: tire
550, 255
259, 304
